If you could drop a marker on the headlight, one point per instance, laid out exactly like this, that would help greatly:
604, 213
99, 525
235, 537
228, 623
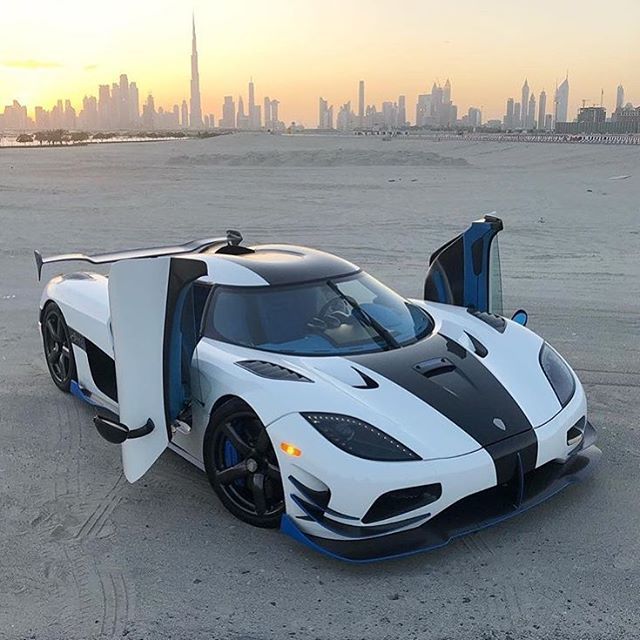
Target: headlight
359, 438
558, 373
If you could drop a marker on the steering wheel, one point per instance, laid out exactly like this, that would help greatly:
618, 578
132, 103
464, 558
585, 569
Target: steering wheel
332, 314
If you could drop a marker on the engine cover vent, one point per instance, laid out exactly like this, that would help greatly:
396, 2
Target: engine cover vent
272, 371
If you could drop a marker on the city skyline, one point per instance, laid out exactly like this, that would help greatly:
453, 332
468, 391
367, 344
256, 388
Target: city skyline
68, 58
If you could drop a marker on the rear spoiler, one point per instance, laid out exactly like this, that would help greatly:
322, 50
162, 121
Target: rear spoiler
233, 238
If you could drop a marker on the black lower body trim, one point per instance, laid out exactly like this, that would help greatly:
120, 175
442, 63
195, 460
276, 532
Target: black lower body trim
475, 512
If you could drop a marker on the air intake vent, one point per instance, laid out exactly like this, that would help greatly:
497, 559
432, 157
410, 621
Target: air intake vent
400, 501
272, 371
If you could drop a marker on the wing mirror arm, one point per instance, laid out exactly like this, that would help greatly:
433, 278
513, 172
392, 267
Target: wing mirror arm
116, 432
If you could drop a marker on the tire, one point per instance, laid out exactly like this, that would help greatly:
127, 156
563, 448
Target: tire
58, 351
242, 466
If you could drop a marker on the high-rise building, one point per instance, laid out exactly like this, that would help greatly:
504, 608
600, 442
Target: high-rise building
134, 104
548, 122
424, 108
524, 118
195, 115
517, 118
104, 106
88, 118
542, 110
325, 115
275, 117
402, 111
184, 120
149, 113
446, 92
531, 112
361, 103
123, 110
562, 101
228, 120
619, 97
474, 117
254, 110
509, 121
268, 124
242, 121
115, 106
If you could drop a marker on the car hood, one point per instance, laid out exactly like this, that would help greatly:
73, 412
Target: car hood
438, 396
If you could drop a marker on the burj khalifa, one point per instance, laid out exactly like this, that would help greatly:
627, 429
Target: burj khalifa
195, 116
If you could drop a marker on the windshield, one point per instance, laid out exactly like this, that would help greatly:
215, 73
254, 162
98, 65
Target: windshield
339, 316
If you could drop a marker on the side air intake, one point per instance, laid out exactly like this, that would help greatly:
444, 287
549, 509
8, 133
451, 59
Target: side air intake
272, 371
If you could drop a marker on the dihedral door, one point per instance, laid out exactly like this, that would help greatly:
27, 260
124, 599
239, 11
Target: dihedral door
146, 299
466, 270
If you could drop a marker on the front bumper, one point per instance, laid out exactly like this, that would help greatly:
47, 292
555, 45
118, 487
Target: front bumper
470, 514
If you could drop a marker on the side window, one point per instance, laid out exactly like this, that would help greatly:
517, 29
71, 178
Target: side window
201, 293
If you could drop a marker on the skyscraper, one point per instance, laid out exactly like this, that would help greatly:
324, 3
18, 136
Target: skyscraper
123, 110
253, 124
104, 106
361, 104
402, 111
508, 118
542, 109
531, 112
134, 104
620, 97
517, 119
275, 116
446, 94
195, 117
267, 113
228, 120
185, 115
524, 120
562, 101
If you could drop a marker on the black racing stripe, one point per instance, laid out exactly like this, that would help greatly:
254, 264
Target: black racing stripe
459, 386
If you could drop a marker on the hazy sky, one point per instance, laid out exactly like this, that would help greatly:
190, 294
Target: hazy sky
297, 50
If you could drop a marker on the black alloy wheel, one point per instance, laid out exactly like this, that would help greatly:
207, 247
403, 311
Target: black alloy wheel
242, 465
57, 347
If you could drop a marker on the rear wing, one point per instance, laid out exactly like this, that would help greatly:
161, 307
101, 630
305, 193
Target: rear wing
232, 238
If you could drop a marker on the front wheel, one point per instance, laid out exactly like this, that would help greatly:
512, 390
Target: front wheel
242, 466
57, 347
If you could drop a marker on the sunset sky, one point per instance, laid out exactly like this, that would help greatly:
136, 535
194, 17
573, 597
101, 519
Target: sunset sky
297, 50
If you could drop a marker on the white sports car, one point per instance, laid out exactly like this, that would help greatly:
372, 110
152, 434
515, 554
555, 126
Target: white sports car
315, 398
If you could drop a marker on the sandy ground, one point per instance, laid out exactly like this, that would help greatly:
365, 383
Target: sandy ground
86, 555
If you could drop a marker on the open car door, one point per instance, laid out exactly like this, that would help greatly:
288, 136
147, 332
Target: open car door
146, 299
466, 270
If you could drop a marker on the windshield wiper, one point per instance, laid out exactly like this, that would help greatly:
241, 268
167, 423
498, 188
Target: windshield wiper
367, 319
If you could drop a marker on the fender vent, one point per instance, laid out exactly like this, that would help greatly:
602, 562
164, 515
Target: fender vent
272, 371
497, 322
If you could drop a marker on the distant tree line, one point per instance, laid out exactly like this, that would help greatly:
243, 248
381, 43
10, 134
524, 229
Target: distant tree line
61, 136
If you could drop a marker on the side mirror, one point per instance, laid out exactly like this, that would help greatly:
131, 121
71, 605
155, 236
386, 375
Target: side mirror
117, 433
521, 317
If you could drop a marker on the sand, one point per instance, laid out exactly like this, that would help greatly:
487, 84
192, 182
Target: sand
86, 555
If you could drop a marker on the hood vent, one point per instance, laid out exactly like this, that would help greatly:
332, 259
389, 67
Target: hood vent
272, 371
434, 366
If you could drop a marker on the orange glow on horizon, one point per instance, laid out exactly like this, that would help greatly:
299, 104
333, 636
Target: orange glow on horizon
296, 52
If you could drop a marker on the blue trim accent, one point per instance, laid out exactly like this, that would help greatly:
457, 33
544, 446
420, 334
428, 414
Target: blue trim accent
77, 391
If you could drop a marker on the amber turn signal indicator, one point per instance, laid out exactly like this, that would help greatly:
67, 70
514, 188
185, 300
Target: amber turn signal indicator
290, 450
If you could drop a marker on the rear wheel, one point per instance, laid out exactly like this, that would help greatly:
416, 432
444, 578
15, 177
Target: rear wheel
57, 347
242, 465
